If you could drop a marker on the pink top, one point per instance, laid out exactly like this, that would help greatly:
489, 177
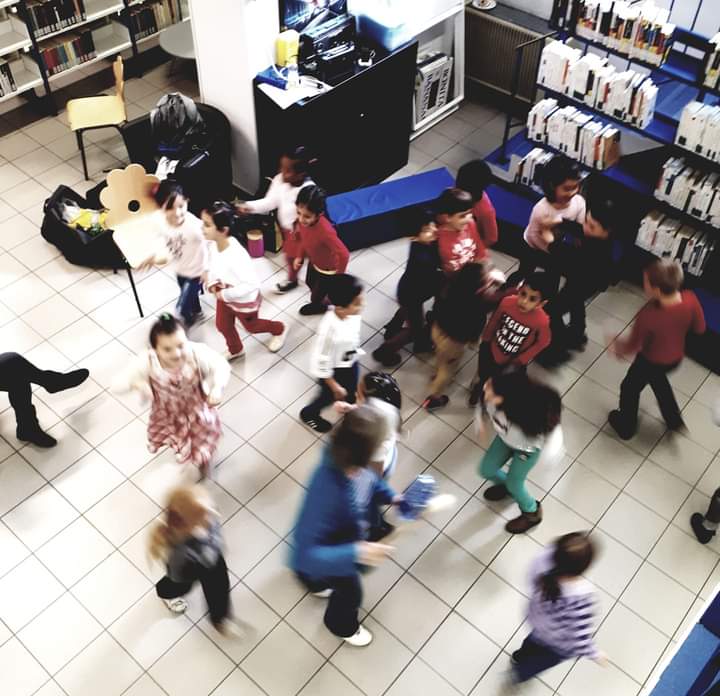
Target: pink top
545, 215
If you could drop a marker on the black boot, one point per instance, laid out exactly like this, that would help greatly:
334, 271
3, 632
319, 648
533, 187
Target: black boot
60, 381
29, 430
703, 535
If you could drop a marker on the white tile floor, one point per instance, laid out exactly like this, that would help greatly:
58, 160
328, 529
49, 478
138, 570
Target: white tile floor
78, 615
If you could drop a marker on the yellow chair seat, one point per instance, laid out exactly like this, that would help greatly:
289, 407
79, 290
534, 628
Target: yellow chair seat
93, 112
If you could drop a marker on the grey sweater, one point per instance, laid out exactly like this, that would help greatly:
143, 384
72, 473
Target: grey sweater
185, 558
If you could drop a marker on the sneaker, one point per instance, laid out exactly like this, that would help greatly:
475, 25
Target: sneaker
434, 402
495, 493
526, 521
386, 358
277, 342
360, 638
177, 605
323, 594
619, 426
287, 286
702, 534
36, 436
309, 309
233, 356
317, 423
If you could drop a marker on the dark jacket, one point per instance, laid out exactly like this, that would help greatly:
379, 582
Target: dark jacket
422, 277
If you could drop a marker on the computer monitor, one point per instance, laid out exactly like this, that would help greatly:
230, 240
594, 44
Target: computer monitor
302, 15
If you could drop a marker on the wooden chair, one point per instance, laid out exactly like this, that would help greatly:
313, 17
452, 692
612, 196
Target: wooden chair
88, 113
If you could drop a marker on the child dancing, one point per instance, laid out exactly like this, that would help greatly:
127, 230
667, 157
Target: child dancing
517, 332
185, 382
562, 608
318, 240
658, 342
188, 540
524, 413
474, 177
329, 544
231, 278
421, 281
281, 197
337, 347
458, 240
183, 246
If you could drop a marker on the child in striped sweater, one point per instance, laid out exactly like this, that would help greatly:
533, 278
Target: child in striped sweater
561, 610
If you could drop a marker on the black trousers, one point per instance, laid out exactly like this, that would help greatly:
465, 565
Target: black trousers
641, 373
16, 376
346, 377
533, 658
713, 511
319, 284
571, 299
341, 615
530, 260
488, 368
215, 586
410, 313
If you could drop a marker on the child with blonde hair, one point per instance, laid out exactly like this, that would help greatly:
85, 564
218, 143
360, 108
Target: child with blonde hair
188, 540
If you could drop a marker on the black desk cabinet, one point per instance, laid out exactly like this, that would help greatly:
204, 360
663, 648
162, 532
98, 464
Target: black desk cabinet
359, 130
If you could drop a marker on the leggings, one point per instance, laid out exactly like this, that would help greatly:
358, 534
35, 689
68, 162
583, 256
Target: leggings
491, 467
225, 318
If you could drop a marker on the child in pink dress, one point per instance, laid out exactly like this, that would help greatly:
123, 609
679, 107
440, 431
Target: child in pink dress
185, 381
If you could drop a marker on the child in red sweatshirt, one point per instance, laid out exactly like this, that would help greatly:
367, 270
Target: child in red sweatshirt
458, 240
474, 177
318, 240
658, 340
517, 331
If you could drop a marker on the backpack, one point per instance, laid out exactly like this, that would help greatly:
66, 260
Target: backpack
178, 127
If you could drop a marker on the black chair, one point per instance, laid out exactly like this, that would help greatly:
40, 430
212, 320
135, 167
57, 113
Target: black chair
204, 178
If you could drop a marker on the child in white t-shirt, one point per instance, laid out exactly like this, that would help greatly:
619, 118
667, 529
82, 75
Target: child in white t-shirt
183, 246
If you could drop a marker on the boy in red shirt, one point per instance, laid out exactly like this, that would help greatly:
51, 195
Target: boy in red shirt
658, 340
474, 177
518, 330
458, 240
318, 240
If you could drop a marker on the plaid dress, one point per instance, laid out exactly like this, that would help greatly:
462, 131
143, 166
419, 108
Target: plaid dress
181, 417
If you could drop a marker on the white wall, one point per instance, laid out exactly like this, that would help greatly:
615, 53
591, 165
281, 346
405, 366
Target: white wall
234, 41
541, 8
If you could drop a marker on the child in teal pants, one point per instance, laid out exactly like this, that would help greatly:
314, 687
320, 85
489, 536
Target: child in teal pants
524, 413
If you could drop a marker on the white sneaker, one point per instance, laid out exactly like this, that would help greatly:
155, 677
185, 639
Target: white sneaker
323, 594
233, 356
178, 605
277, 342
361, 638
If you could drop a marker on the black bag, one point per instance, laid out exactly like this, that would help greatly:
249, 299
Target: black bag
76, 245
178, 128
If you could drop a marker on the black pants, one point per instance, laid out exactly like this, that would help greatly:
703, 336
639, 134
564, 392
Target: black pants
346, 377
571, 299
641, 373
215, 585
488, 368
319, 284
410, 313
713, 511
533, 658
341, 615
530, 260
16, 376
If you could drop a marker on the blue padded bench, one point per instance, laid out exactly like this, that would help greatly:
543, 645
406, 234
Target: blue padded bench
377, 214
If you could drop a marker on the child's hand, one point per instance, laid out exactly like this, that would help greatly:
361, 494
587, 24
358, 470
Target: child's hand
213, 400
147, 264
343, 407
297, 264
398, 499
547, 235
243, 208
372, 554
339, 392
602, 659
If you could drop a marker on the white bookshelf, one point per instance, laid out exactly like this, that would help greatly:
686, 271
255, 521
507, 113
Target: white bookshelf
94, 10
13, 36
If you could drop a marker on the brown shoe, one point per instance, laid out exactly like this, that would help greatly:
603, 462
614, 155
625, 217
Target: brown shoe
527, 520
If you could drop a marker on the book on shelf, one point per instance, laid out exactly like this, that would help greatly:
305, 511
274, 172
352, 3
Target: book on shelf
48, 16
691, 190
146, 20
67, 51
574, 133
627, 96
712, 64
699, 130
7, 81
667, 237
637, 30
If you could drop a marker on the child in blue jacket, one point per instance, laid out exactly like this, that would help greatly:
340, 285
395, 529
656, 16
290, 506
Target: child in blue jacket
329, 538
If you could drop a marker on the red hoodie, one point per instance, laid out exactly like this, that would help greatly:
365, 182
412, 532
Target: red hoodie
460, 248
486, 220
321, 244
516, 336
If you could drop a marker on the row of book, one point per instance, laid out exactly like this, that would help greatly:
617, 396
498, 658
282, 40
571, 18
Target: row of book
627, 96
151, 17
667, 237
638, 30
528, 170
712, 64
691, 190
574, 133
699, 130
7, 81
47, 16
67, 51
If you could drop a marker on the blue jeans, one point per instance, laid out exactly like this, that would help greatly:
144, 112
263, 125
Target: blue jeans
533, 658
188, 303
